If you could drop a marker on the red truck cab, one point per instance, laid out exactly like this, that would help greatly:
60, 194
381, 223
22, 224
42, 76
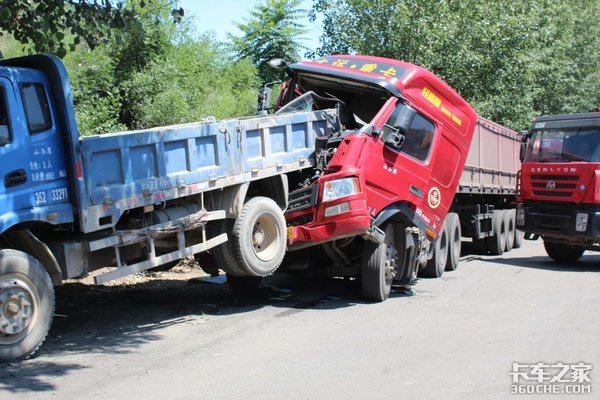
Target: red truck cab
393, 166
559, 191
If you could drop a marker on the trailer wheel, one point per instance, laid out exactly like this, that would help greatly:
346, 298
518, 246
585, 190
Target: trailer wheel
454, 241
497, 242
518, 239
243, 285
26, 305
258, 238
379, 265
509, 220
563, 252
436, 265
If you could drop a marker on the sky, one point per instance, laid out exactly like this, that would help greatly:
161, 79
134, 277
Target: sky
220, 15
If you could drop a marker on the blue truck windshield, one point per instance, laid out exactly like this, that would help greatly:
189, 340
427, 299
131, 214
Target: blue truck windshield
564, 145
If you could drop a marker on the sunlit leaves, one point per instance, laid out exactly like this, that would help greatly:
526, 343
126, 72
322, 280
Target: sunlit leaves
272, 31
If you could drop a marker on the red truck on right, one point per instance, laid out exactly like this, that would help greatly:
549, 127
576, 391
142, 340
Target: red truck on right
559, 185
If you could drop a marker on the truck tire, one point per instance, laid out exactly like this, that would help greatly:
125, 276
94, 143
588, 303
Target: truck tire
259, 237
223, 254
563, 252
518, 239
406, 263
497, 242
437, 264
378, 266
454, 241
509, 220
27, 305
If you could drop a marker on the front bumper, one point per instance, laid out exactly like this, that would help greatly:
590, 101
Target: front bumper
557, 221
308, 235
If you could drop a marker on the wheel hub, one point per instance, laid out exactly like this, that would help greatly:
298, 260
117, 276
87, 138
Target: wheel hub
265, 237
390, 263
258, 236
16, 307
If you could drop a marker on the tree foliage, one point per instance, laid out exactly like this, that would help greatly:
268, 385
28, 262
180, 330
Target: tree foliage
272, 31
512, 60
52, 26
159, 73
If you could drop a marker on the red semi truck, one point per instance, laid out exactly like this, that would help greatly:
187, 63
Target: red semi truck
559, 197
409, 170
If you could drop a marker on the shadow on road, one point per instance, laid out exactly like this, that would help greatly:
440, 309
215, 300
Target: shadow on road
591, 264
104, 319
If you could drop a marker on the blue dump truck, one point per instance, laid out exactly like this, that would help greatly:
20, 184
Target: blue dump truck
70, 205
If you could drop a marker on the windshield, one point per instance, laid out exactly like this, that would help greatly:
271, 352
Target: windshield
564, 145
302, 103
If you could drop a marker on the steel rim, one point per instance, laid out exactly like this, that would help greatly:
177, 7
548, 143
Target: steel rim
19, 302
265, 237
391, 255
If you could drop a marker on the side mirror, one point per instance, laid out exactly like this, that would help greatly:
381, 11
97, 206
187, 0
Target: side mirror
522, 151
278, 63
392, 137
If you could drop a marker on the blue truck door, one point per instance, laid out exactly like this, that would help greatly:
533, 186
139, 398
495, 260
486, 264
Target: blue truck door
33, 174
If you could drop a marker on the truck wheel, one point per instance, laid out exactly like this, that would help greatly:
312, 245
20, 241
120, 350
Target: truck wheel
378, 266
405, 263
563, 252
258, 238
223, 254
497, 242
26, 305
436, 265
454, 241
243, 285
518, 239
509, 220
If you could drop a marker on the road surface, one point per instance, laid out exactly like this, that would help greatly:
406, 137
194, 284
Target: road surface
452, 338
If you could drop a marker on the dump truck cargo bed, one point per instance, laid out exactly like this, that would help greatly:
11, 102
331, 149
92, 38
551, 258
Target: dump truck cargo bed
121, 171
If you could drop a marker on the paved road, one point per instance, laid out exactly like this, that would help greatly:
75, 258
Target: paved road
454, 338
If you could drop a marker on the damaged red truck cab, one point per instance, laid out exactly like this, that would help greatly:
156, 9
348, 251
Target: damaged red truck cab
393, 176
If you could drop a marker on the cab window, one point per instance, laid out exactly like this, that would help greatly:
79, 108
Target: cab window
37, 110
5, 136
418, 131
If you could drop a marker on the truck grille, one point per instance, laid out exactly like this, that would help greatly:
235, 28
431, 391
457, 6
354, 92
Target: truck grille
302, 198
564, 185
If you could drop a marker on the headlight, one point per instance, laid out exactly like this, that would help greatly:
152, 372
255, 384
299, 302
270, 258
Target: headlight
338, 188
520, 216
581, 221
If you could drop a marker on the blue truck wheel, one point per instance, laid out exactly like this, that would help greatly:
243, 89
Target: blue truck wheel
26, 305
258, 238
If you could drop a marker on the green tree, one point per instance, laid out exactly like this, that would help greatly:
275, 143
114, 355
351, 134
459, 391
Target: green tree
157, 74
272, 31
512, 60
54, 26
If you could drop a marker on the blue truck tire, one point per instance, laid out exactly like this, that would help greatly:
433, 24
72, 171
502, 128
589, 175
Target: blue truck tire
26, 305
259, 238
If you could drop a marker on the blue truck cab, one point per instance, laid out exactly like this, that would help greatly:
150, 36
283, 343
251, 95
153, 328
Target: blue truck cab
131, 201
34, 165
